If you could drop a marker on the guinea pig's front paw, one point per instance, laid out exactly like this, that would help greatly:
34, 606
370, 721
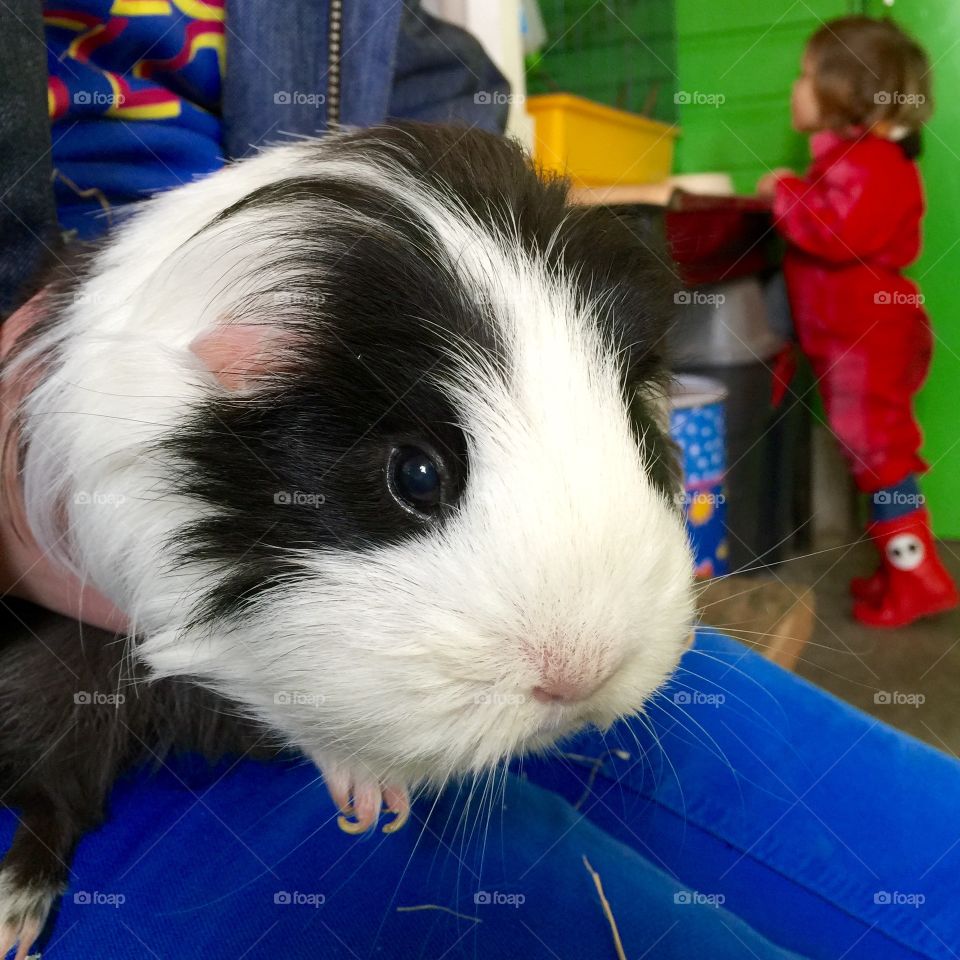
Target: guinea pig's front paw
361, 798
362, 810
23, 912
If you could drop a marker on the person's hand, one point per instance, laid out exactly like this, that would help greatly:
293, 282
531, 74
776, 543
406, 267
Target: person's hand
27, 573
25, 570
767, 184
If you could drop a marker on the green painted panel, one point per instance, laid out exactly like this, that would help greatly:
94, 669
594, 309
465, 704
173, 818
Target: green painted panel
739, 67
747, 55
731, 138
604, 63
699, 16
582, 23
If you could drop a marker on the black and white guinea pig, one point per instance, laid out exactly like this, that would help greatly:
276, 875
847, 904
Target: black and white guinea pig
366, 435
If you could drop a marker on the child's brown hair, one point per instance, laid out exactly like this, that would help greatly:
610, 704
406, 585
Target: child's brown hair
868, 71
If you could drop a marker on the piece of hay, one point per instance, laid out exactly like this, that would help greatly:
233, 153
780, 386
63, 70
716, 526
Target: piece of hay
437, 906
596, 765
607, 911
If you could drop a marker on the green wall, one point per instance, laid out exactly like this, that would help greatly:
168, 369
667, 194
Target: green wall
936, 24
744, 56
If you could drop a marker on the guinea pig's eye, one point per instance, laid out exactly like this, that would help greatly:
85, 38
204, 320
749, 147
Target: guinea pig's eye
416, 477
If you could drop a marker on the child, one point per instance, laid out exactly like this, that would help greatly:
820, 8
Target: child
852, 223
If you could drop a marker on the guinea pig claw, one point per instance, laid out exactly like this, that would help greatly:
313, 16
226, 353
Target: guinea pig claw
361, 801
399, 820
353, 827
363, 811
396, 802
361, 816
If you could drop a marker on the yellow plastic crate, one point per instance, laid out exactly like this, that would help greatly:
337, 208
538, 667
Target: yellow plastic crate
596, 145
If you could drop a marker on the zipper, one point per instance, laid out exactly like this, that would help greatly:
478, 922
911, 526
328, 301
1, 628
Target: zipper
334, 46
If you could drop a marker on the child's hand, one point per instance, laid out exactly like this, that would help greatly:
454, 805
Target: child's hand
767, 184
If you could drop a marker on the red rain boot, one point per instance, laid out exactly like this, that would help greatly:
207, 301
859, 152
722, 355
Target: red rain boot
917, 583
870, 588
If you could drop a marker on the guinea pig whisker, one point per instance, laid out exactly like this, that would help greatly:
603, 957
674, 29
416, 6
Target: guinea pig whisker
730, 666
717, 751
686, 671
93, 416
758, 563
737, 628
647, 723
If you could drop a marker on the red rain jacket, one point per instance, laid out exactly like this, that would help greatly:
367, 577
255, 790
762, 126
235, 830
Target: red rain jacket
852, 222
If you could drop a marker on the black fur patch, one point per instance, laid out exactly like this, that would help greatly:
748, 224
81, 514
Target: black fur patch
68, 736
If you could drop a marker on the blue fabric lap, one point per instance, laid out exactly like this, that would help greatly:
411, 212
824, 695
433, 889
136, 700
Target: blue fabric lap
771, 816
252, 865
821, 826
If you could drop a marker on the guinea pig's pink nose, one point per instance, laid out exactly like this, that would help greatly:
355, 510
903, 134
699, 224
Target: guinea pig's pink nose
564, 691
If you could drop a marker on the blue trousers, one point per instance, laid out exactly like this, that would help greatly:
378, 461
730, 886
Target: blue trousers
748, 814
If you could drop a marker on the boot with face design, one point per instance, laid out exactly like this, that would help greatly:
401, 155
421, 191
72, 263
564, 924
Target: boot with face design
870, 588
916, 584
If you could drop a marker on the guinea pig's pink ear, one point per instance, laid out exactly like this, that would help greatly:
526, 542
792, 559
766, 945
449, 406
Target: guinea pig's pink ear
241, 355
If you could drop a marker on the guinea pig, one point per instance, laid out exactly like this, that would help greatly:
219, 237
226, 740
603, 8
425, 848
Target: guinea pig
365, 436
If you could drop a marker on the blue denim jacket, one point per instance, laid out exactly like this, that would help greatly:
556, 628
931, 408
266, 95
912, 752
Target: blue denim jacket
396, 62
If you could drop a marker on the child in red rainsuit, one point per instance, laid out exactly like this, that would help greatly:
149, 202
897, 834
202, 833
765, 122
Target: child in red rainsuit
852, 223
